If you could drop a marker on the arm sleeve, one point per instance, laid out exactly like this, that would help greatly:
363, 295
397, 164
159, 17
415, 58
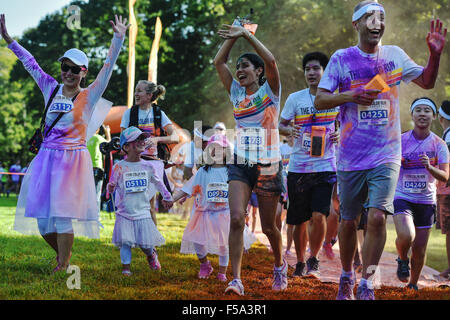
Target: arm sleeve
165, 121
443, 154
96, 89
125, 119
45, 82
159, 185
331, 75
411, 70
288, 112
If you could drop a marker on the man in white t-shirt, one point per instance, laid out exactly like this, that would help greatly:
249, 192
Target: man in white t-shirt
311, 175
368, 78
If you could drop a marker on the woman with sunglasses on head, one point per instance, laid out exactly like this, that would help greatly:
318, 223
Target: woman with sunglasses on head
257, 160
59, 189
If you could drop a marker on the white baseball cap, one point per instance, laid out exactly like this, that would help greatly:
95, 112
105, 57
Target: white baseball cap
76, 56
220, 125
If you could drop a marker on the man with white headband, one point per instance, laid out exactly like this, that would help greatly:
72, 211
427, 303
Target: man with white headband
368, 78
443, 190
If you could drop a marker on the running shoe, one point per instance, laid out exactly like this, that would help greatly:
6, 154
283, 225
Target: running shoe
288, 254
299, 269
126, 272
312, 268
280, 277
403, 270
236, 287
205, 270
153, 261
345, 291
364, 293
222, 277
412, 287
327, 249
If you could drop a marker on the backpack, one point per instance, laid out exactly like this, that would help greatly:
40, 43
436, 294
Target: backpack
164, 150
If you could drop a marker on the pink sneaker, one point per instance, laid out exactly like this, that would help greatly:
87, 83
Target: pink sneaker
205, 270
222, 277
328, 250
153, 261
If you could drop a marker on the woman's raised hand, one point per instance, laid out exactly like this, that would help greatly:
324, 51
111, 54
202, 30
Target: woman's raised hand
3, 30
231, 31
120, 26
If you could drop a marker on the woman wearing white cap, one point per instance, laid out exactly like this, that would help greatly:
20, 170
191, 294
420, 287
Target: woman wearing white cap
425, 159
58, 191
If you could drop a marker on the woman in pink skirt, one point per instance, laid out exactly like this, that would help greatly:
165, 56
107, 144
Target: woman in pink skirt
58, 197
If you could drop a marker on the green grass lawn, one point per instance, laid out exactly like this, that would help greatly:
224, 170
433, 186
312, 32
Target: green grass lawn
26, 263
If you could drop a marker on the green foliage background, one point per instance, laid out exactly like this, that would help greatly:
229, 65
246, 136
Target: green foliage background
289, 28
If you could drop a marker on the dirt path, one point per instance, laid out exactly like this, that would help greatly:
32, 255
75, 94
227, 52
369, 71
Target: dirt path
330, 269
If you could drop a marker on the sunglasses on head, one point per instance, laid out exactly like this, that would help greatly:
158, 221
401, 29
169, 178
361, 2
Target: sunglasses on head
74, 69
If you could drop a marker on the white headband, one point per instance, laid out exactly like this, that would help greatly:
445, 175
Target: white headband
443, 114
424, 102
367, 8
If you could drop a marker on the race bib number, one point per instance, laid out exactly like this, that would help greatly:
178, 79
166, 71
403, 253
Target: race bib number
217, 192
414, 183
375, 114
61, 105
135, 181
306, 142
252, 139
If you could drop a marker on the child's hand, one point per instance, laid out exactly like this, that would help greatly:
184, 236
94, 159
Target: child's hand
182, 200
167, 204
110, 187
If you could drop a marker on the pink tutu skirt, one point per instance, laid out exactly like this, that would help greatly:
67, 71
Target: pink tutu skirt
59, 183
209, 229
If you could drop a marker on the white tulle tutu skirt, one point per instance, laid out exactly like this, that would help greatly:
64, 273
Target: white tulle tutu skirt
59, 184
140, 233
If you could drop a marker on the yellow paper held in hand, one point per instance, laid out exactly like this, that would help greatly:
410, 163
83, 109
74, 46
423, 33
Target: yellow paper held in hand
377, 83
251, 27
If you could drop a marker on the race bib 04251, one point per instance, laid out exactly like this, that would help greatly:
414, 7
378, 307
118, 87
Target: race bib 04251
135, 181
375, 114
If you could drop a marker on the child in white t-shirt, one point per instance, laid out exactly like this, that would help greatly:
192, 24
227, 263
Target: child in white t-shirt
209, 224
134, 181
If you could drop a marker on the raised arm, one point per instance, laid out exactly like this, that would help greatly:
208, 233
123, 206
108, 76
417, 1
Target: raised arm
435, 42
220, 62
45, 82
271, 69
97, 88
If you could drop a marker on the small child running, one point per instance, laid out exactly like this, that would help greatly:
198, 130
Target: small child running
132, 181
209, 224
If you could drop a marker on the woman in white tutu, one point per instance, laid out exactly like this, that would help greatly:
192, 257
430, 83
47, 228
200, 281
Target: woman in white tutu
131, 180
58, 190
209, 224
